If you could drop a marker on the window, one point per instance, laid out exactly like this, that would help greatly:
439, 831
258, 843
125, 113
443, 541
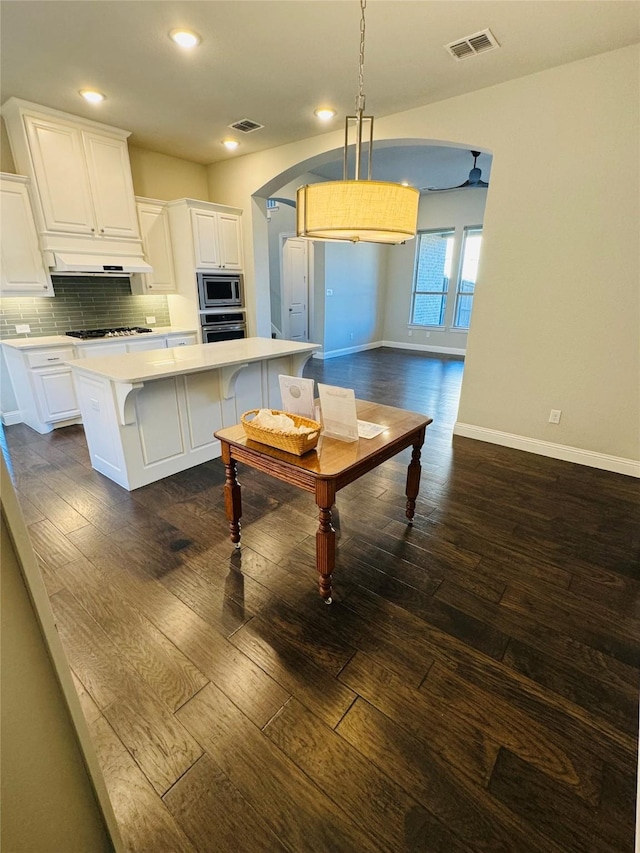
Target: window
431, 283
471, 244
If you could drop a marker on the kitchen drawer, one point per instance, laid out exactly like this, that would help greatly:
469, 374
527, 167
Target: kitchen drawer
50, 357
181, 340
108, 348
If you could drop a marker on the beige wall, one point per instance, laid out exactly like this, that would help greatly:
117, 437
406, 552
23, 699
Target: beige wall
556, 320
163, 177
6, 160
48, 799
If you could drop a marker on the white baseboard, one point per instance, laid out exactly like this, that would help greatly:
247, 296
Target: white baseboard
618, 464
392, 345
334, 353
425, 347
10, 418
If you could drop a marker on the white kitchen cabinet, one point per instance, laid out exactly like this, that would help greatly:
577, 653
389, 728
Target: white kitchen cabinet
156, 242
216, 240
82, 187
22, 271
111, 185
205, 236
43, 383
43, 386
230, 241
83, 179
103, 348
56, 394
138, 345
120, 346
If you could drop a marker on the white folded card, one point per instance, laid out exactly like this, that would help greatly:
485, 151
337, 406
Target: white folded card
368, 430
339, 417
297, 396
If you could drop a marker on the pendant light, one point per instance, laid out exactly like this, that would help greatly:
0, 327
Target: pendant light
358, 209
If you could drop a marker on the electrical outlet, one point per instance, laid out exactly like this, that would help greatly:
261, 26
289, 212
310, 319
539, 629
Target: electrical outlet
150, 320
23, 328
427, 334
351, 335
554, 416
410, 333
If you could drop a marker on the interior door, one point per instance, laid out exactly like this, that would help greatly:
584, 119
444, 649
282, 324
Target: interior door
295, 289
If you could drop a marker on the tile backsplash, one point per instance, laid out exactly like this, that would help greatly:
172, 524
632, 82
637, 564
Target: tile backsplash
81, 302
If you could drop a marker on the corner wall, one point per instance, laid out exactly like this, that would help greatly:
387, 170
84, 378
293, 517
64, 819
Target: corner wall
160, 176
556, 321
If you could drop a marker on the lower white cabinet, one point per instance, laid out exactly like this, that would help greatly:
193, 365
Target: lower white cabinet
43, 384
56, 394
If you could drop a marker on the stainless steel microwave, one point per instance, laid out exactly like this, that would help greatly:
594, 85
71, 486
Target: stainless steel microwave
219, 291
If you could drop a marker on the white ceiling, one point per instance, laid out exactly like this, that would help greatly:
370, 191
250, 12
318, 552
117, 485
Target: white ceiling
274, 61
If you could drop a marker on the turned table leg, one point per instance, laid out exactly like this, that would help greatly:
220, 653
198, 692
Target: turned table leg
232, 496
325, 538
413, 477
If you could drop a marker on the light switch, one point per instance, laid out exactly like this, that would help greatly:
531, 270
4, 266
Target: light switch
329, 292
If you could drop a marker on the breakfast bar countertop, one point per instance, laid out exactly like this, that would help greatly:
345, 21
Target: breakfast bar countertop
160, 364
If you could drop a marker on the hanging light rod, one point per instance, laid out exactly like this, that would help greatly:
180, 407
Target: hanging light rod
358, 209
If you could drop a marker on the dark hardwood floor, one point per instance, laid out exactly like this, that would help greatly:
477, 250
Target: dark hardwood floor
473, 687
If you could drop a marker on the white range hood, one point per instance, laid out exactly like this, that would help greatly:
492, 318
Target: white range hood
109, 265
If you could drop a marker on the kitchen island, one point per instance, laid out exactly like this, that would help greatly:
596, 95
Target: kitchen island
148, 415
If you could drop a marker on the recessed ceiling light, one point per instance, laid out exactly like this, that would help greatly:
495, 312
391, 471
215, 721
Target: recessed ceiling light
185, 38
324, 113
231, 144
92, 96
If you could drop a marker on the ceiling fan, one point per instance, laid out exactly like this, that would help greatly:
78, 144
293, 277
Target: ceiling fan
474, 179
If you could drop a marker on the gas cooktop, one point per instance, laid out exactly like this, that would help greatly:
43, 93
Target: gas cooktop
120, 332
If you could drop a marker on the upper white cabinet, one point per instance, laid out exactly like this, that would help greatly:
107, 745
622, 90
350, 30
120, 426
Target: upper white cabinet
22, 271
111, 185
61, 176
156, 242
209, 235
81, 176
230, 241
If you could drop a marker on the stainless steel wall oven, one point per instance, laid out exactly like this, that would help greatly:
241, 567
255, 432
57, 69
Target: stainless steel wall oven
230, 326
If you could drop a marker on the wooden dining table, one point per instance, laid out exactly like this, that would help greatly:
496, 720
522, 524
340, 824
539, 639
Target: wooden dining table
331, 466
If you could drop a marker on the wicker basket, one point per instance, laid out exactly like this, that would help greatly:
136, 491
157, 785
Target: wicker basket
297, 443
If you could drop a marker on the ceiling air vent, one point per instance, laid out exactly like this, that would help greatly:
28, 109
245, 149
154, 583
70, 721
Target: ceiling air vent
245, 125
472, 45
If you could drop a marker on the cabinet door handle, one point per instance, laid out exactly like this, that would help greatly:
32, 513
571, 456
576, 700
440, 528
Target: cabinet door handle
102, 230
56, 358
93, 230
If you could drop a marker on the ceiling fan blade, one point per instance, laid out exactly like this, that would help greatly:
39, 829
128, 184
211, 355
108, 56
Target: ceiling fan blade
445, 189
474, 179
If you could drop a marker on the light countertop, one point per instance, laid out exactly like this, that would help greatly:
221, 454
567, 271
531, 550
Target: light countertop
160, 364
58, 340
